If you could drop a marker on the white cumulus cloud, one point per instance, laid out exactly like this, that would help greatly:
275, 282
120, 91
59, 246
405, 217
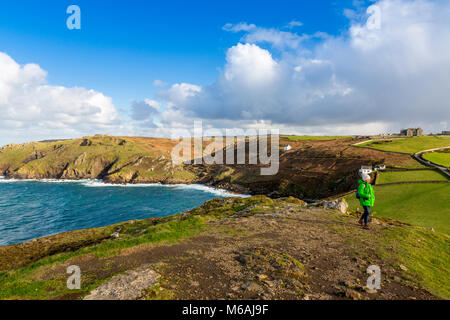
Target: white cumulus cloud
385, 72
32, 109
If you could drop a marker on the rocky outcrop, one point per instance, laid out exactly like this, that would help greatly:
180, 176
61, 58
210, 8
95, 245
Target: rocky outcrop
338, 204
88, 168
35, 155
128, 286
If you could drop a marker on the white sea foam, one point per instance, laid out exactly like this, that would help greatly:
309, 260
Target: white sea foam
4, 180
62, 181
100, 184
200, 187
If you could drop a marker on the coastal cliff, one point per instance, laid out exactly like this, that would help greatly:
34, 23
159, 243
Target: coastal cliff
260, 247
113, 159
310, 170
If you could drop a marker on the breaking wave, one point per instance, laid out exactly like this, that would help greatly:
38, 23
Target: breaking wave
100, 183
35, 208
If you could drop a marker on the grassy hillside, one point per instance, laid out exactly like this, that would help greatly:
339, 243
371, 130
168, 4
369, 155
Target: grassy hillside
423, 204
114, 159
411, 164
313, 169
440, 158
243, 245
419, 175
316, 137
409, 145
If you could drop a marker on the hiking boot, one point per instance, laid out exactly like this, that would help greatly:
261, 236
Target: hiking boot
366, 227
360, 221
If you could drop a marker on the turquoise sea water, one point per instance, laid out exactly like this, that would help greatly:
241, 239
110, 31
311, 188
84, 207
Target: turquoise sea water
33, 209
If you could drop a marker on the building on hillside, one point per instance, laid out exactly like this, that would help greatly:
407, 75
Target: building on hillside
381, 167
366, 169
287, 148
412, 132
445, 133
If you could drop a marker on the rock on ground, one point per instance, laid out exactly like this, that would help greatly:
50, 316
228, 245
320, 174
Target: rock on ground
128, 286
338, 204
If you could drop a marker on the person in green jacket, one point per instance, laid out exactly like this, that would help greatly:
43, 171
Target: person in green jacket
366, 198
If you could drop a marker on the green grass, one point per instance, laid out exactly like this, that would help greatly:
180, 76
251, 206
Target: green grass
411, 164
440, 158
426, 255
419, 175
408, 145
315, 137
24, 282
424, 204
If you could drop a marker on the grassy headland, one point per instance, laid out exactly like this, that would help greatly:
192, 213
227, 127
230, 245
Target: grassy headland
440, 158
406, 176
113, 159
409, 145
253, 248
422, 204
316, 137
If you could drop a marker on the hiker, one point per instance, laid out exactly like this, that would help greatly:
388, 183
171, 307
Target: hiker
366, 197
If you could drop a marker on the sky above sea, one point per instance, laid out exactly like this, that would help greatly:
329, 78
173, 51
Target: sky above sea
150, 67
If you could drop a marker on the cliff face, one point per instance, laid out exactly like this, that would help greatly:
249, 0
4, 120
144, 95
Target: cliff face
120, 160
310, 170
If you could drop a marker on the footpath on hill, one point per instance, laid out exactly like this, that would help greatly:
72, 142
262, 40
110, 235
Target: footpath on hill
254, 248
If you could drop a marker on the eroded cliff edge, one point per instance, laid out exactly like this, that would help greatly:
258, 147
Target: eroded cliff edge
235, 248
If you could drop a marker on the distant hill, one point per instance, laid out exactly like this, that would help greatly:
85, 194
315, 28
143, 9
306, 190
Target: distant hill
312, 169
113, 159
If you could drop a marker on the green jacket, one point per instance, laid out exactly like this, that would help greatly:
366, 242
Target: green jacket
366, 194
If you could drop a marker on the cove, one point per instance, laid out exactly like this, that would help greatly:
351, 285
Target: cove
32, 209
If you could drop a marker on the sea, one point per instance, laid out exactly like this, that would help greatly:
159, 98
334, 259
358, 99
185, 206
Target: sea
32, 209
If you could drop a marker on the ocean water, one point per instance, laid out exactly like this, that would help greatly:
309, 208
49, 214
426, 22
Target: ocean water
35, 208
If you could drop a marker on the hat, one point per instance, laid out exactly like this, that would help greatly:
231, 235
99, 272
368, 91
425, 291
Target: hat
365, 177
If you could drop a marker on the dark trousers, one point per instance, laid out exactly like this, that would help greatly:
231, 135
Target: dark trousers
365, 215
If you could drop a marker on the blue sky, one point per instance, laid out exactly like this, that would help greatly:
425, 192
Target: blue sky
124, 45
303, 67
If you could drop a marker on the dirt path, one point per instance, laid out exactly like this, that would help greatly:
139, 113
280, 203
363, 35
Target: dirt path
294, 253
419, 157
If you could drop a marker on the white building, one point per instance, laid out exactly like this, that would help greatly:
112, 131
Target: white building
365, 169
287, 148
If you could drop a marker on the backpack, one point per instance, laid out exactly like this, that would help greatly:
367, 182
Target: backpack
357, 194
